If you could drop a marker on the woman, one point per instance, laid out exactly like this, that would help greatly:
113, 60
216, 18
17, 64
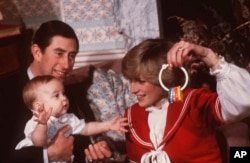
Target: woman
167, 129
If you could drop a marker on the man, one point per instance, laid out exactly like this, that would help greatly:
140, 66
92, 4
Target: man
54, 48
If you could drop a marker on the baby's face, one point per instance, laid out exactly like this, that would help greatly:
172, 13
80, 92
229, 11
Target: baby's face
52, 95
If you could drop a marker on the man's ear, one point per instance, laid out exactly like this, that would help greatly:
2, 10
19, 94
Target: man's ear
36, 52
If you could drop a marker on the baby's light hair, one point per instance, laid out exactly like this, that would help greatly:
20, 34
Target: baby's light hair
31, 87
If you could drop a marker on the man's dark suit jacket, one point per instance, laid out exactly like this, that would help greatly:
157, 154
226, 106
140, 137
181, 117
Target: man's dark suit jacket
14, 115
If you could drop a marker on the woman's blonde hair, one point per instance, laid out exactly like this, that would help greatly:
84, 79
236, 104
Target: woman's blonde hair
146, 59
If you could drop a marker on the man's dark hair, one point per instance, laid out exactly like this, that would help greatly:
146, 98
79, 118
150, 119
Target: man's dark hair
50, 29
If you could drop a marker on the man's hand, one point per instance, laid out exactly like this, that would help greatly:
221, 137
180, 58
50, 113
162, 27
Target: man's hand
61, 147
98, 152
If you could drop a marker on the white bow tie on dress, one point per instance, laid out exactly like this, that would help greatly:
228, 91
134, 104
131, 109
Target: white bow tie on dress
155, 156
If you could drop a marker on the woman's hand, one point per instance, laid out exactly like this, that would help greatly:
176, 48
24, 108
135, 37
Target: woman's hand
98, 152
187, 52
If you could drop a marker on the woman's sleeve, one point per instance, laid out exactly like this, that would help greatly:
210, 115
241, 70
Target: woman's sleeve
233, 88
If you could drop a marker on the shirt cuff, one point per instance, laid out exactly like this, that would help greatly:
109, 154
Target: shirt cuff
222, 69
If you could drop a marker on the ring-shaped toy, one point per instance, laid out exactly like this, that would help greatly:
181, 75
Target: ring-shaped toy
165, 66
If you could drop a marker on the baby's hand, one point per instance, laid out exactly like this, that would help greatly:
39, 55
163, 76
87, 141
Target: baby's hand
42, 116
118, 124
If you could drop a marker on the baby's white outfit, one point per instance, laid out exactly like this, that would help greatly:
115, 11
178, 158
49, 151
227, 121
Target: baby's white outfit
54, 124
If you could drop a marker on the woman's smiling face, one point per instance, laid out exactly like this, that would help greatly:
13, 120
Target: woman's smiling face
147, 94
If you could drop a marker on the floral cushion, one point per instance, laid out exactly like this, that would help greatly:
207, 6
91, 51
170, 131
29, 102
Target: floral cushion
109, 96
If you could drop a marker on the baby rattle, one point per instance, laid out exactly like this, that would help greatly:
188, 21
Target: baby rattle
174, 94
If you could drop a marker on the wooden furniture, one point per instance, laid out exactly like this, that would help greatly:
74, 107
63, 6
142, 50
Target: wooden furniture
10, 38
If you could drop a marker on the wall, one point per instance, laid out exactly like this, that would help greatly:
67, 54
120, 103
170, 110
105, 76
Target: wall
98, 23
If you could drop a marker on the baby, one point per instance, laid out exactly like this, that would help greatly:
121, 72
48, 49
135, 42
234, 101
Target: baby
46, 98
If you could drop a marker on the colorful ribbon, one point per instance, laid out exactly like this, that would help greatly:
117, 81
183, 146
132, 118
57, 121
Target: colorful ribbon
175, 95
